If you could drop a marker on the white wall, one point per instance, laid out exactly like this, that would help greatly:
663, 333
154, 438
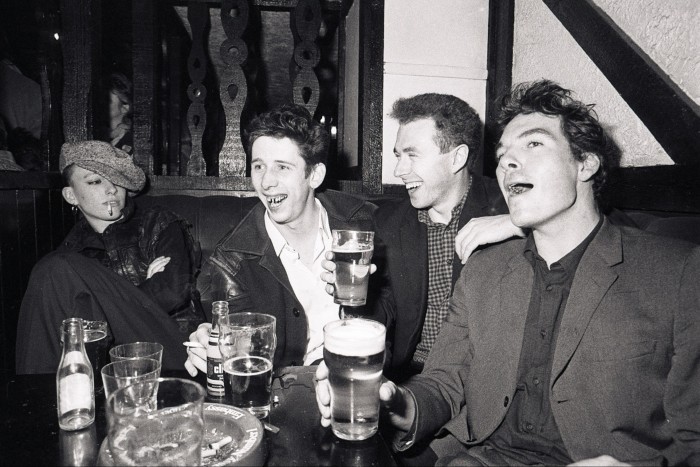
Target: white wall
668, 32
432, 46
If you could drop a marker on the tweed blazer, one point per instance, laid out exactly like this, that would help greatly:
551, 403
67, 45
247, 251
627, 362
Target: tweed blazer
625, 378
401, 254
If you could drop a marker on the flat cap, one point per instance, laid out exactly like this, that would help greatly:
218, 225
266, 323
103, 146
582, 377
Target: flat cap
104, 159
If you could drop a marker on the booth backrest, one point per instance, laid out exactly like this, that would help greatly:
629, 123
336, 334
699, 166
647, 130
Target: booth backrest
211, 216
33, 222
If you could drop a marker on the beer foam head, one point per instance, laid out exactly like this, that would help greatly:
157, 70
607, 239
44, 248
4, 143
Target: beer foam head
354, 337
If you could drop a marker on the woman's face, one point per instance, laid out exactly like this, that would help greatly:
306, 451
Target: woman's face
100, 201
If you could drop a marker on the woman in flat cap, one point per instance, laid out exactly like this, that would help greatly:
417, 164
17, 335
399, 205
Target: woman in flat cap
133, 268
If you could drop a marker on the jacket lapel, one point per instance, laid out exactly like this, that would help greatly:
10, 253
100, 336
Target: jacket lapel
593, 279
414, 243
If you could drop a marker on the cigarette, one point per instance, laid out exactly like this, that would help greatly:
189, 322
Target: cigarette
196, 345
109, 208
221, 443
208, 453
270, 427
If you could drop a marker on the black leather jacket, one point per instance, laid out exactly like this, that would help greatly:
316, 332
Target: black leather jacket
129, 245
245, 271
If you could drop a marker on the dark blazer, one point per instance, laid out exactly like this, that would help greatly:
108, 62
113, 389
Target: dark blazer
401, 253
626, 368
245, 271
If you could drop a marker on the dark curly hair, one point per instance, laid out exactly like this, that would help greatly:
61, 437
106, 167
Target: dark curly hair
455, 120
579, 123
296, 123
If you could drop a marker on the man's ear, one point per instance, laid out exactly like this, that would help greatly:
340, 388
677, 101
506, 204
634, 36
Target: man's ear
318, 174
589, 166
460, 158
69, 196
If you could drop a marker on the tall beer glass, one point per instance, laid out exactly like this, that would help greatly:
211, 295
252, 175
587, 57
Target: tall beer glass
247, 342
353, 350
352, 252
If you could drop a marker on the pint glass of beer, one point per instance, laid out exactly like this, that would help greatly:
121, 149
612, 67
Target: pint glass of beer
352, 252
353, 350
247, 342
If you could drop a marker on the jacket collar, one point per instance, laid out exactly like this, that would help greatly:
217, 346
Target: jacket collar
250, 236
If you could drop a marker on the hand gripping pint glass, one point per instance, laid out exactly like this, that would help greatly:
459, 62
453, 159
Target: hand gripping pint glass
354, 353
352, 253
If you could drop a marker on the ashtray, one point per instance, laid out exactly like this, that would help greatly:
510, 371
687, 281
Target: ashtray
246, 432
246, 446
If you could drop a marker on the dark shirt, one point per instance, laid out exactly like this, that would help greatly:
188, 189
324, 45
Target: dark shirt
529, 433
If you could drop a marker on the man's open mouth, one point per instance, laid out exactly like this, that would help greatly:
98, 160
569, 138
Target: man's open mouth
519, 188
274, 201
413, 185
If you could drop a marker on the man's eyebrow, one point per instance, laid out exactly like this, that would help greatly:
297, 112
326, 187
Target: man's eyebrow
406, 149
526, 133
276, 161
536, 131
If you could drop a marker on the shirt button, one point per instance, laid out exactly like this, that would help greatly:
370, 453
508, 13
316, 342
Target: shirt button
536, 381
448, 261
543, 333
529, 427
549, 288
296, 313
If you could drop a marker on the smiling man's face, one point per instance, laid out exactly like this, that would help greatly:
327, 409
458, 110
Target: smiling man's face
422, 166
279, 177
537, 171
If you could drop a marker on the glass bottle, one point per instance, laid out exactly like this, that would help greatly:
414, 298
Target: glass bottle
215, 364
75, 391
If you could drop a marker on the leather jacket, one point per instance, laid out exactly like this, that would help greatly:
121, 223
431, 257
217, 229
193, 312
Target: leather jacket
245, 271
130, 244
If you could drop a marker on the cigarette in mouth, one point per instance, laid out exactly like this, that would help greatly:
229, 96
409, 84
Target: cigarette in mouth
109, 208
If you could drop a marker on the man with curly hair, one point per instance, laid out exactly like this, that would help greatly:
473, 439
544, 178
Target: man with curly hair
271, 262
577, 344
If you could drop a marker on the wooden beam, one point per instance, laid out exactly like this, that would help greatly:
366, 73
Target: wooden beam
371, 93
670, 188
146, 64
78, 46
668, 113
500, 75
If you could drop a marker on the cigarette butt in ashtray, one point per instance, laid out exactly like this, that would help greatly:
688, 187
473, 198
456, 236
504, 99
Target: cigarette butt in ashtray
221, 443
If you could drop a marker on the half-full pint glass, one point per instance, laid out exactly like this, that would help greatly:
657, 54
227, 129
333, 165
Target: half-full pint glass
354, 353
247, 342
352, 251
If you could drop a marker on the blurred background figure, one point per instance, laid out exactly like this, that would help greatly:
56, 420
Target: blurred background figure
120, 98
20, 96
7, 161
26, 149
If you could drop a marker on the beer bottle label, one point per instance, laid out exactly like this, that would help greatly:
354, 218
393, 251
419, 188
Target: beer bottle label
215, 367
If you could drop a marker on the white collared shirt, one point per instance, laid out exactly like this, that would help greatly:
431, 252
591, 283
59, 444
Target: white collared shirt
308, 287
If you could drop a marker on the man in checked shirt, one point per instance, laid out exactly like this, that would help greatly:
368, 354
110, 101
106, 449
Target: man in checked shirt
423, 241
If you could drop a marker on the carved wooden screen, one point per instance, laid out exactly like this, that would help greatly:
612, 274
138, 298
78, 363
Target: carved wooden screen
220, 69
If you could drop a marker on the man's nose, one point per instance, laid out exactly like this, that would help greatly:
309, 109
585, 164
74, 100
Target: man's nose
403, 166
268, 179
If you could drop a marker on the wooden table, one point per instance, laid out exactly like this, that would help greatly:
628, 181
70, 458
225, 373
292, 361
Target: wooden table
29, 433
